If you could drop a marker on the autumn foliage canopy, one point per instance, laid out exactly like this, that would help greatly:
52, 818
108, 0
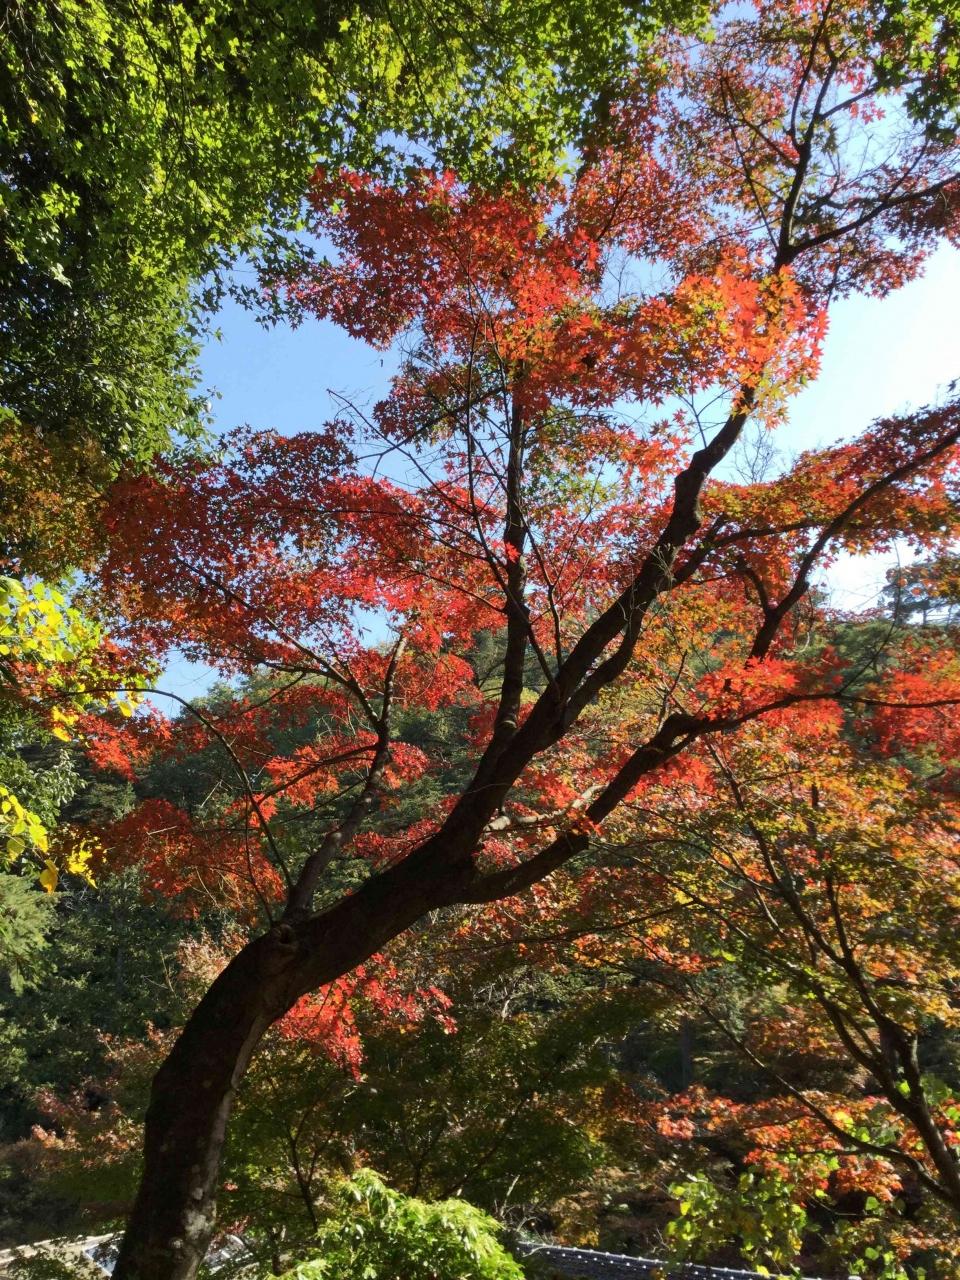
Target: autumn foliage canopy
549, 535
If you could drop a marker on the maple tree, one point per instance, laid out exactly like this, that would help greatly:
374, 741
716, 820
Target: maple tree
518, 1078
546, 471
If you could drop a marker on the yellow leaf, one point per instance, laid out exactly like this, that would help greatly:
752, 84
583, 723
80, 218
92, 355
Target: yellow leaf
77, 860
49, 876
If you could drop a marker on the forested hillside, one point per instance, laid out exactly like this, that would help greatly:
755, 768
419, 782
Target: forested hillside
552, 853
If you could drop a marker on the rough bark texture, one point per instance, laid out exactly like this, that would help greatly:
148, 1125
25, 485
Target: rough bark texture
192, 1095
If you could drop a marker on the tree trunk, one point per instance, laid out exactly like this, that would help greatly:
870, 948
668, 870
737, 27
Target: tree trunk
191, 1098
190, 1102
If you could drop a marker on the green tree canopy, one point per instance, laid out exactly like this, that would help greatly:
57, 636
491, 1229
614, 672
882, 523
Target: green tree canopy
145, 145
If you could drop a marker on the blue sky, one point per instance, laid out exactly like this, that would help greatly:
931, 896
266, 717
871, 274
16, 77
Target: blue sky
880, 356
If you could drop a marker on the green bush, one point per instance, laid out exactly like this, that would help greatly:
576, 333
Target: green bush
376, 1233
